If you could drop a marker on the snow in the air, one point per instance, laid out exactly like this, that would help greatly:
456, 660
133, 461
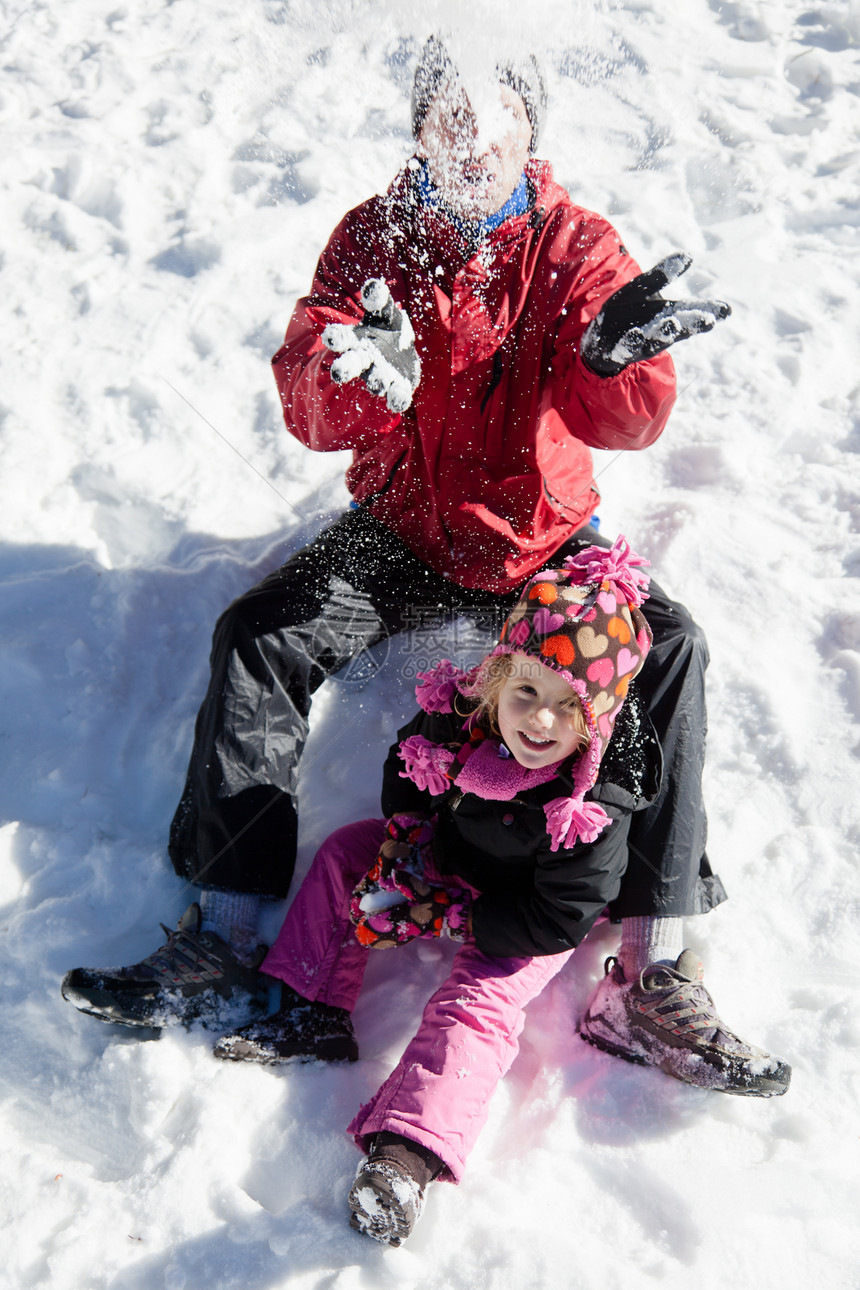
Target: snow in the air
170, 172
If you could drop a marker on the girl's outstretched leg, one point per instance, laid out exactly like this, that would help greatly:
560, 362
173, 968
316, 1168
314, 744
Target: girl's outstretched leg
439, 1093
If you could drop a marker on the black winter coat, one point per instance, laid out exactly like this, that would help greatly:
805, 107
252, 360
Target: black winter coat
533, 901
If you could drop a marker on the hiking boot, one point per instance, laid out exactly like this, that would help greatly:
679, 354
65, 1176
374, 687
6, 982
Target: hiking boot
195, 976
300, 1031
666, 1018
387, 1196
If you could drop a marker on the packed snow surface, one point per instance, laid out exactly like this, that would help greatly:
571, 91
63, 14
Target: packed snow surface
170, 172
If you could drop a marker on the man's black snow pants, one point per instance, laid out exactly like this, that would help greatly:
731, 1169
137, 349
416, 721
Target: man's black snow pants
355, 585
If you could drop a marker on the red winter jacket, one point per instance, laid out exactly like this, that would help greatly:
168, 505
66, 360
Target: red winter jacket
489, 471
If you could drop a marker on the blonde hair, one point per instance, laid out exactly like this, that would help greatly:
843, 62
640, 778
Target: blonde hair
487, 688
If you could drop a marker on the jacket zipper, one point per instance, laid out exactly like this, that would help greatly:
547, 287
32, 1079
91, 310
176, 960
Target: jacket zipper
498, 369
374, 497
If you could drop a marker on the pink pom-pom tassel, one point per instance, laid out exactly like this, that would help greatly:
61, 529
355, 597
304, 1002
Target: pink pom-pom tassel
569, 820
437, 688
426, 764
620, 566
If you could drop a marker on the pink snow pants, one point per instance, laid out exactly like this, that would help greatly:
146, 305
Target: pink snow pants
439, 1093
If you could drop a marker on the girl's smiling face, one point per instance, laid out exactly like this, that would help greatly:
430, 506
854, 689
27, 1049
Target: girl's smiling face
539, 716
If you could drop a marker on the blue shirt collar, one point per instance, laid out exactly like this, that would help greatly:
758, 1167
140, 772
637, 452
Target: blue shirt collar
474, 231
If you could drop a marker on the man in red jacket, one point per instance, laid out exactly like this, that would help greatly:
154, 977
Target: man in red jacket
485, 471
469, 334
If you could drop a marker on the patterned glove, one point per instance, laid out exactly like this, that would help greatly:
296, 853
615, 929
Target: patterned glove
380, 350
637, 323
393, 904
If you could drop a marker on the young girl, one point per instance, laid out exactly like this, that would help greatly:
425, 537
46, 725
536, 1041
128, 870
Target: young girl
509, 799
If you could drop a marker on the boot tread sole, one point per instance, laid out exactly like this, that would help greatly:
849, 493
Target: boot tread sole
760, 1085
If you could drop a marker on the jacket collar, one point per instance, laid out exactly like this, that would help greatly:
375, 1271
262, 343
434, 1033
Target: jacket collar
474, 231
431, 223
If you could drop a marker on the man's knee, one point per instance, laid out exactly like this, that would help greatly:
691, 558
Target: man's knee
695, 642
677, 635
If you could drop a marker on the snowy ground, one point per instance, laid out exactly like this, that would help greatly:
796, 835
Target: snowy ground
169, 173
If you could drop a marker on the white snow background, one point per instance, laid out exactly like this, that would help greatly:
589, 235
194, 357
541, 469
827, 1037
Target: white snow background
170, 172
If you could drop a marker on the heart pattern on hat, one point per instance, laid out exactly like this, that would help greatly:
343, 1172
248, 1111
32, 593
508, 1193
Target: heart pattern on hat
602, 702
601, 671
591, 644
619, 630
545, 592
626, 661
560, 648
545, 622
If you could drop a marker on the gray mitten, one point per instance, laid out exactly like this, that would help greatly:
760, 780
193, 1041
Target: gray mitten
637, 323
380, 350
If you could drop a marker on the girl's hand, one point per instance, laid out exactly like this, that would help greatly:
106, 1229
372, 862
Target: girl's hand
393, 904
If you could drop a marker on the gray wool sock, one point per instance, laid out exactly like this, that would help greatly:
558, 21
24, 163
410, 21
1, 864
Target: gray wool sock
649, 940
232, 915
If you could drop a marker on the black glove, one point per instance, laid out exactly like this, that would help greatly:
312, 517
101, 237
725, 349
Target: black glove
636, 322
381, 349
